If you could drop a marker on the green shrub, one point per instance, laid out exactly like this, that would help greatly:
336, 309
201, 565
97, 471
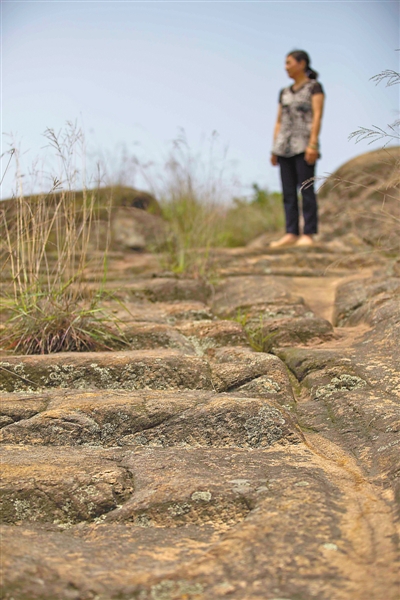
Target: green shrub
247, 219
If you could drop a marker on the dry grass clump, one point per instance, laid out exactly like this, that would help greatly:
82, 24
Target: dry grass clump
47, 326
193, 229
50, 244
189, 190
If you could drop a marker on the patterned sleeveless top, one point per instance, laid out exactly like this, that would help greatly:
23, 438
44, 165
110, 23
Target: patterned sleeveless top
296, 119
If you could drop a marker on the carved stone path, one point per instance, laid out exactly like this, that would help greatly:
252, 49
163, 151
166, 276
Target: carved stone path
195, 466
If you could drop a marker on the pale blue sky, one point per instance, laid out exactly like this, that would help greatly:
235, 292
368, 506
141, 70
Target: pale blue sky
135, 72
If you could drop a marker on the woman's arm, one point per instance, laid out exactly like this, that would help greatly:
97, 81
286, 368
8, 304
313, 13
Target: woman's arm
312, 150
274, 158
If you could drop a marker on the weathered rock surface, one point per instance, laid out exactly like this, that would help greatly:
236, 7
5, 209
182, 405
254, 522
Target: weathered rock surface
206, 335
210, 523
168, 289
147, 336
62, 486
368, 300
135, 229
194, 465
242, 294
360, 201
352, 393
153, 418
161, 369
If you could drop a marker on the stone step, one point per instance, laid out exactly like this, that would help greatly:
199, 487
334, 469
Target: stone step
61, 485
193, 338
152, 487
158, 369
151, 418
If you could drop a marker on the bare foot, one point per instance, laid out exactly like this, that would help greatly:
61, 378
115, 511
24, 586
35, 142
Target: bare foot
305, 240
289, 239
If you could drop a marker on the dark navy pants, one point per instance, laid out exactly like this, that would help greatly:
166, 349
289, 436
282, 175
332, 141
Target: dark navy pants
294, 171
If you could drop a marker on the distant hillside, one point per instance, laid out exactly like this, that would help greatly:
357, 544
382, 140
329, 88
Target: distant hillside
362, 199
136, 216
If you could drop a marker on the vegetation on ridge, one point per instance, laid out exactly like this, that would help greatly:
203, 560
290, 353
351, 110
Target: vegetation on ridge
191, 193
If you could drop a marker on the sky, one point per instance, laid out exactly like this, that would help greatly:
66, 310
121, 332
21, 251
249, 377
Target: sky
135, 74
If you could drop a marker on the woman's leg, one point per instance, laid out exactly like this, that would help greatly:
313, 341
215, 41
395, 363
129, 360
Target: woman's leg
290, 202
304, 172
289, 189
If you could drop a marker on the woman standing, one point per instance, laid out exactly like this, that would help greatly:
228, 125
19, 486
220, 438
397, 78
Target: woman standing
296, 147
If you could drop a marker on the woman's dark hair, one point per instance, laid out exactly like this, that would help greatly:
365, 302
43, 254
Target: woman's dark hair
300, 55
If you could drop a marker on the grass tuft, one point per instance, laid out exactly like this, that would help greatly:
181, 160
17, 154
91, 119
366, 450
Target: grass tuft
51, 244
45, 327
257, 339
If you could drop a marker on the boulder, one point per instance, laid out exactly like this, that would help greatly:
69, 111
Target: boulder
361, 199
135, 229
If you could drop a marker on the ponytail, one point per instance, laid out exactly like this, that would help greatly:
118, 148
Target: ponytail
311, 74
300, 55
